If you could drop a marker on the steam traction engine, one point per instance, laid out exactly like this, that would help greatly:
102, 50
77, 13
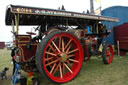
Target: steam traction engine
61, 40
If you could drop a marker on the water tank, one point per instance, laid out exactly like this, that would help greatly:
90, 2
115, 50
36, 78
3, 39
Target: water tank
121, 35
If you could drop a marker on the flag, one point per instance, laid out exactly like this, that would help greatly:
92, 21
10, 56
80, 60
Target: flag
98, 1
97, 11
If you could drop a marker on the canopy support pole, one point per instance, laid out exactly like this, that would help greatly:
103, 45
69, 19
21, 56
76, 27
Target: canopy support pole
46, 26
97, 29
13, 28
67, 23
17, 22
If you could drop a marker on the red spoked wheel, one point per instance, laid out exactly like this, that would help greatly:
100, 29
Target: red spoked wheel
107, 53
61, 57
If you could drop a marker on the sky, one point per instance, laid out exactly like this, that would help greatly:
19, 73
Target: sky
70, 5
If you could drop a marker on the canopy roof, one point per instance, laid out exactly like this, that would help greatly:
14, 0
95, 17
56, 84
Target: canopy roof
38, 16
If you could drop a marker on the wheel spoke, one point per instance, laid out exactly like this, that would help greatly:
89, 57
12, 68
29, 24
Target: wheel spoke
68, 68
107, 57
63, 68
56, 68
108, 53
73, 60
56, 46
68, 49
71, 55
69, 63
52, 48
68, 43
107, 49
61, 72
52, 62
49, 53
47, 59
52, 68
73, 51
62, 45
59, 42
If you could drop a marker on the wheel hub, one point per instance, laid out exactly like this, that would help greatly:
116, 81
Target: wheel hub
63, 57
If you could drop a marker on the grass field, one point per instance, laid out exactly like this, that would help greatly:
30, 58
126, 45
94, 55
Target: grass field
93, 72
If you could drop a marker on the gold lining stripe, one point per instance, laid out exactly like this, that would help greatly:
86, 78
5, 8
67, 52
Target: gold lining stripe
22, 55
87, 16
20, 37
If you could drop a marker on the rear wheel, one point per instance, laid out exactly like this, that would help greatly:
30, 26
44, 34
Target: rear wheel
107, 53
60, 57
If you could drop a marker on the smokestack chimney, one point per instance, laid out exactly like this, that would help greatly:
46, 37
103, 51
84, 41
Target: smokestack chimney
91, 7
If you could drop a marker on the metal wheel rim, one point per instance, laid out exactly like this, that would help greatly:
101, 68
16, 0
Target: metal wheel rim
72, 65
109, 54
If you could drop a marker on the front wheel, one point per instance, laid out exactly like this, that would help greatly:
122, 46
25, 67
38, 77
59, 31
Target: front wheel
60, 57
107, 53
